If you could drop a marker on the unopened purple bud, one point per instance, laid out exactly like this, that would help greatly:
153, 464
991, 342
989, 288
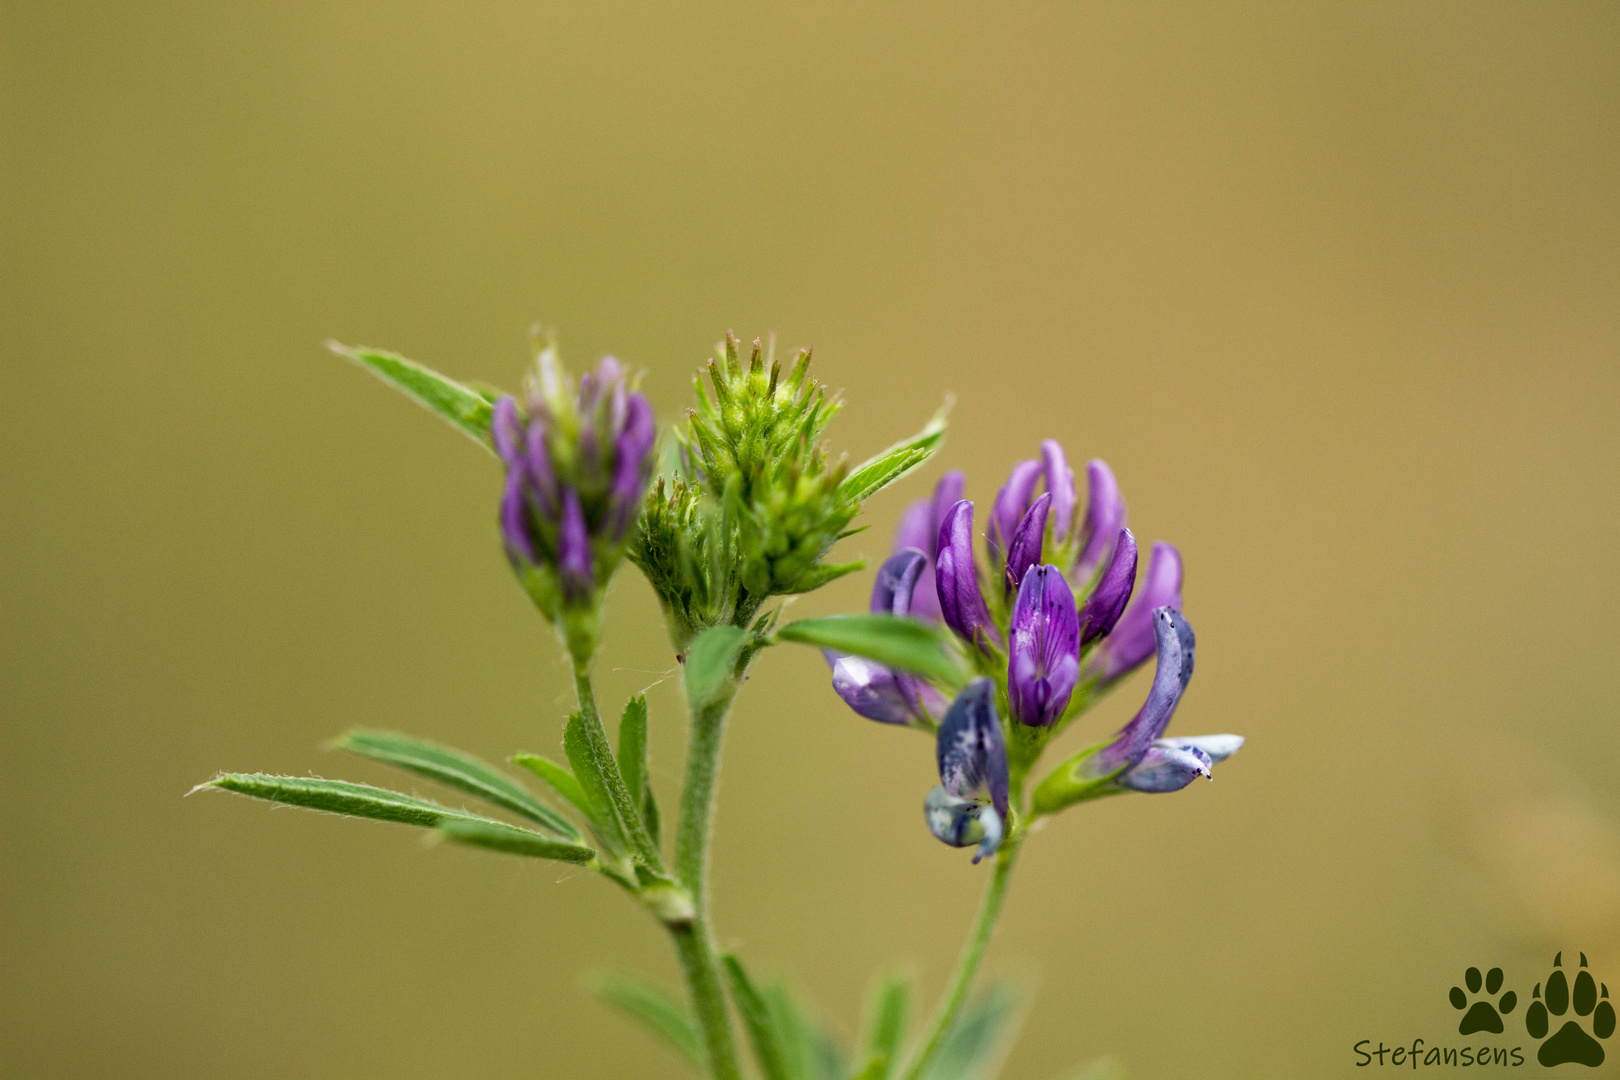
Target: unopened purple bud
972, 755
1132, 639
1027, 540
632, 464
1164, 769
1043, 661
870, 689
1060, 485
506, 429
1105, 516
895, 580
1012, 501
514, 517
919, 529
574, 547
1175, 641
541, 474
961, 604
1107, 601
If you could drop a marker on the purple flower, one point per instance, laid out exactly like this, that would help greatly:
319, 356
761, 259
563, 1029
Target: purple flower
972, 761
1059, 485
961, 604
1132, 639
874, 691
1012, 503
919, 529
1043, 662
1105, 516
577, 465
1174, 639
1107, 601
1027, 539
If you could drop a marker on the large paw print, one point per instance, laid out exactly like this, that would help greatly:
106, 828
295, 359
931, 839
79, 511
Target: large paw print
1482, 1016
1570, 1044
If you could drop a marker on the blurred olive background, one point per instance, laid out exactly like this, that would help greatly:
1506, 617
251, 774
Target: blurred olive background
1335, 288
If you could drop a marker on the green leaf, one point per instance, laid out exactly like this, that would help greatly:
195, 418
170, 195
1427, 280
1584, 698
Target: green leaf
592, 784
710, 661
808, 1052
656, 1010
633, 761
900, 642
983, 1033
458, 770
514, 841
351, 800
560, 780
757, 1019
464, 407
879, 472
887, 1007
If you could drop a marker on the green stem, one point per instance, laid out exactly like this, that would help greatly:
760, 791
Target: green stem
692, 833
629, 813
967, 966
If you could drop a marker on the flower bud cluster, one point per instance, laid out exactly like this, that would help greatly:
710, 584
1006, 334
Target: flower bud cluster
578, 460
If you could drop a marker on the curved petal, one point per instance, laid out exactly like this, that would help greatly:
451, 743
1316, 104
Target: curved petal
1175, 641
961, 604
971, 753
1131, 641
1011, 503
895, 581
514, 518
1218, 747
1166, 768
1105, 516
870, 689
1107, 601
962, 822
1060, 485
1027, 541
1043, 661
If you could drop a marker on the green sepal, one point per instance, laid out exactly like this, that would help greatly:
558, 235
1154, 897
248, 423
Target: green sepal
456, 769
592, 784
758, 1020
654, 1009
888, 1006
462, 406
711, 660
877, 473
1071, 783
633, 762
514, 841
980, 1038
899, 642
350, 800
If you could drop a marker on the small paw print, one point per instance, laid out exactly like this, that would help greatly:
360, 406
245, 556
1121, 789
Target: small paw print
1482, 1015
1570, 1044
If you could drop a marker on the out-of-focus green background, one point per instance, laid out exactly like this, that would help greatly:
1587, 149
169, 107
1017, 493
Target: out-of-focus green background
1335, 288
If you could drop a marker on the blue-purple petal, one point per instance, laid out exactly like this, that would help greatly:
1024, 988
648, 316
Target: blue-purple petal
1132, 639
514, 518
1105, 516
870, 689
971, 752
506, 430
1060, 485
1103, 608
1165, 769
1043, 652
895, 581
1012, 501
1218, 747
1027, 540
574, 546
961, 603
1175, 645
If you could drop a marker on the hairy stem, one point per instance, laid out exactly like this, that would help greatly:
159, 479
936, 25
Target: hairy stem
629, 813
692, 870
967, 965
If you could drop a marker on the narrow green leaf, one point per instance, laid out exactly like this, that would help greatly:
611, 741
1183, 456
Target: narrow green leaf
656, 1010
872, 476
577, 746
633, 747
514, 841
649, 815
710, 661
808, 1051
558, 778
875, 1069
757, 1019
342, 797
983, 1033
900, 642
462, 406
888, 1006
456, 769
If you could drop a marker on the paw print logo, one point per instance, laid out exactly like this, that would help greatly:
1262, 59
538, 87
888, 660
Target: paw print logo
1482, 1015
1570, 1043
